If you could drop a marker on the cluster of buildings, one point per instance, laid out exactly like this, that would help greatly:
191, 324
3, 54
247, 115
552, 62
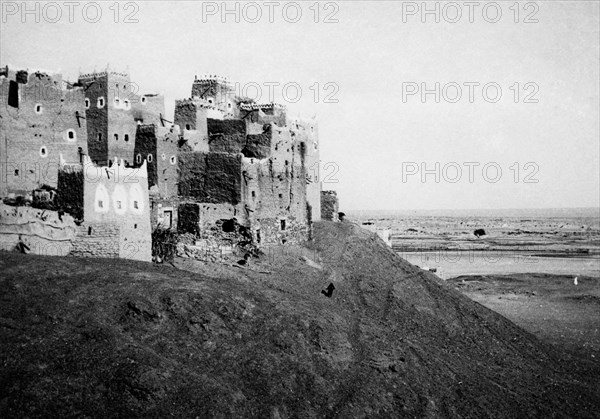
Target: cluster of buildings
224, 169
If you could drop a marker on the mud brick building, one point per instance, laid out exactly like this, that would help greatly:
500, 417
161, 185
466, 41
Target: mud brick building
227, 169
113, 110
246, 162
41, 117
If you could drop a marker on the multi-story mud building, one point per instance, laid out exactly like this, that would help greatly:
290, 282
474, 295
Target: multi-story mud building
225, 164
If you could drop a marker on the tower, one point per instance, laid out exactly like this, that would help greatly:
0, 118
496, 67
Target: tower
217, 91
113, 111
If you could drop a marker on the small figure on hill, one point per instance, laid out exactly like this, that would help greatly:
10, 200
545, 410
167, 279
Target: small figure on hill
479, 232
22, 246
328, 292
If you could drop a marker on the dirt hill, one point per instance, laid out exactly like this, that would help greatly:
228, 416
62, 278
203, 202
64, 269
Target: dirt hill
97, 338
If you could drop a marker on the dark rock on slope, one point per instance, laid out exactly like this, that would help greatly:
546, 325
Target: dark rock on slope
104, 338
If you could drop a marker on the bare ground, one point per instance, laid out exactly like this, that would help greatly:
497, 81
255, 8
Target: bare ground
97, 338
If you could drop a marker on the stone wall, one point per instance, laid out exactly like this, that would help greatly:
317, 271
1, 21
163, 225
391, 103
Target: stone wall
97, 240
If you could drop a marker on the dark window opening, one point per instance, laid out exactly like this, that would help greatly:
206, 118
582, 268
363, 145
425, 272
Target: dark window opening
100, 137
135, 226
282, 224
100, 204
38, 108
135, 204
16, 172
280, 195
229, 226
258, 236
116, 137
71, 135
188, 127
89, 231
253, 194
126, 137
13, 94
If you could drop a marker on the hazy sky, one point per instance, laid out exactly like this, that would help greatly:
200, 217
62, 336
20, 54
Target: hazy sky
375, 141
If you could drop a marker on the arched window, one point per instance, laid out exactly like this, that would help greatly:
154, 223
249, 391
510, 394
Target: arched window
126, 137
71, 135
87, 103
138, 159
149, 158
38, 109
100, 102
43, 152
173, 160
116, 137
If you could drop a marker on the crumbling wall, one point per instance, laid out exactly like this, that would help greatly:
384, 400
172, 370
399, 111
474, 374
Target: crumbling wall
44, 232
329, 206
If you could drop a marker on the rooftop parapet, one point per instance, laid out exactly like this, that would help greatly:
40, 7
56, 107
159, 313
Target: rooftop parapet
95, 75
261, 106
